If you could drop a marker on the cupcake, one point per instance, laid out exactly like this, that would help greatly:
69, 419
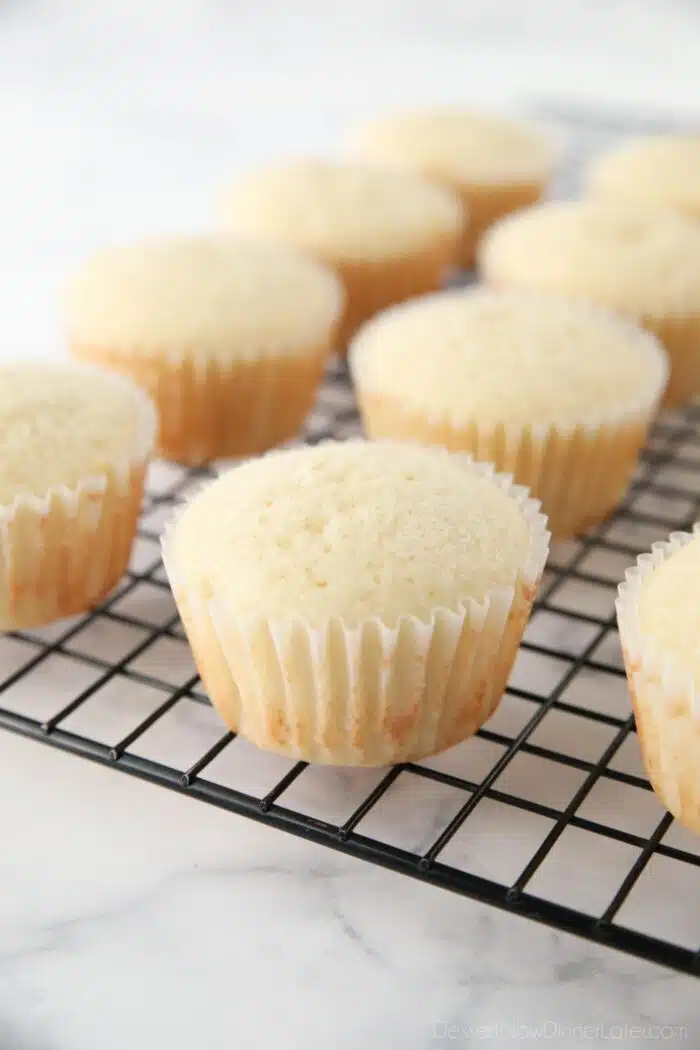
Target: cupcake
658, 616
356, 603
494, 165
552, 391
229, 338
388, 235
74, 447
659, 170
639, 261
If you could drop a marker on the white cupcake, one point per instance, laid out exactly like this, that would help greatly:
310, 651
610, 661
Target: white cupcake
229, 338
554, 392
356, 603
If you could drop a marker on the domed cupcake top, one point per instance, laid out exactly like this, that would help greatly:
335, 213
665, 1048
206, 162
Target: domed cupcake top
508, 357
355, 531
632, 258
466, 147
342, 211
205, 295
61, 425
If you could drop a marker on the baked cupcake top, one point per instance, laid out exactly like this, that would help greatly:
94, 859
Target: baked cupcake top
208, 295
659, 169
458, 146
632, 258
669, 611
64, 425
355, 531
342, 212
508, 357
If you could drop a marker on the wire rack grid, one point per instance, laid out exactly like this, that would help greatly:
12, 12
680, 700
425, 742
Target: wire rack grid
546, 812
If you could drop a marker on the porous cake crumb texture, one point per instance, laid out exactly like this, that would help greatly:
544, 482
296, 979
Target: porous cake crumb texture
211, 297
632, 258
352, 531
60, 426
507, 358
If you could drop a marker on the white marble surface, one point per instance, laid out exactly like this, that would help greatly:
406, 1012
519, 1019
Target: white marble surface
131, 917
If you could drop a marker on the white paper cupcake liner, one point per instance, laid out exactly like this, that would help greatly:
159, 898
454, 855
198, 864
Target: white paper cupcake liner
62, 552
665, 699
365, 694
210, 409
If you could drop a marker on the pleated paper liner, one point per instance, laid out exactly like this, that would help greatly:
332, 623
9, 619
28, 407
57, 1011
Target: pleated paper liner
210, 409
666, 700
363, 694
62, 553
579, 474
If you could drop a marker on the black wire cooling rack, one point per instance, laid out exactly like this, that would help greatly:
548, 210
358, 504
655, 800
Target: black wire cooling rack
546, 812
